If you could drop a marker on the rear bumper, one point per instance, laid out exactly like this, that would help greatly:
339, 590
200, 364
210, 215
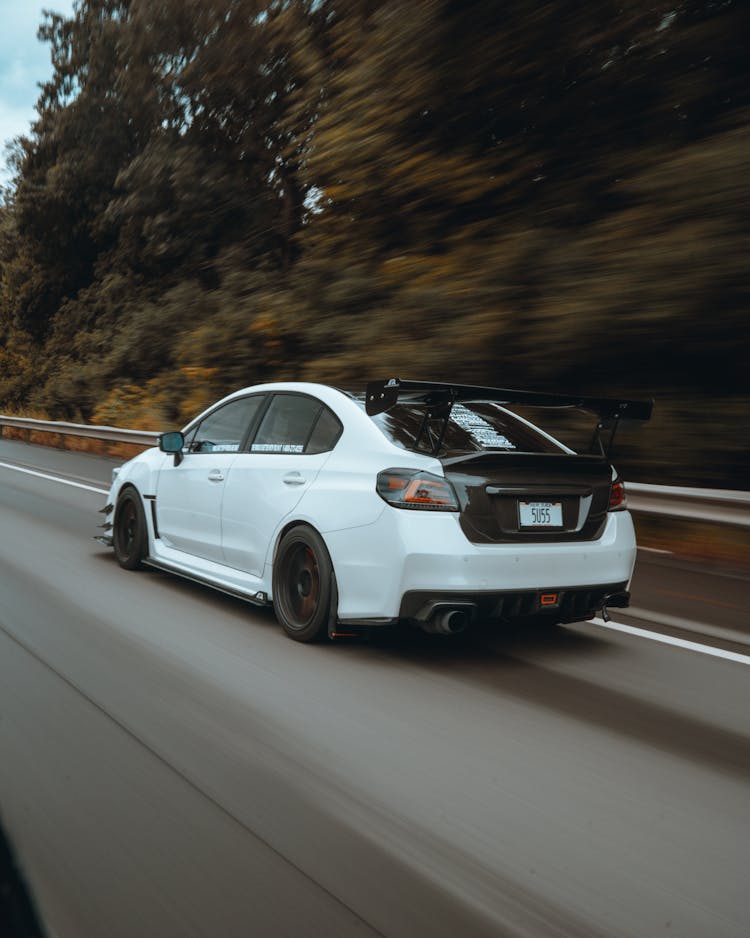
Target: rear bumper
563, 604
405, 552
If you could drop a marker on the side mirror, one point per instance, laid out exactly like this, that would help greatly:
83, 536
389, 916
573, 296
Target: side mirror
172, 443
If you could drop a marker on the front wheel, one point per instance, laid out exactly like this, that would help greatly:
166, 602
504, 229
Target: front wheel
303, 586
129, 537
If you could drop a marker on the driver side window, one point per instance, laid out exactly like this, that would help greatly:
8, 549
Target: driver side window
223, 430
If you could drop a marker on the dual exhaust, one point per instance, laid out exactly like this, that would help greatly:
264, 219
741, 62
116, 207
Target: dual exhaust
450, 618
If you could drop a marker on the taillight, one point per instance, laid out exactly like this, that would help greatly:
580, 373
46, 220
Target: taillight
617, 500
411, 488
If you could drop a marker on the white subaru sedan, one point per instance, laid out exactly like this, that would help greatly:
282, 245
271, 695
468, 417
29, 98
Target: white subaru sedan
418, 502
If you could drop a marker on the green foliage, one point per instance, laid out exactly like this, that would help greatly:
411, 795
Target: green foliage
219, 192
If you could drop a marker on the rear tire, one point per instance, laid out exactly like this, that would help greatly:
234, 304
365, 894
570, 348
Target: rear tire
304, 595
129, 536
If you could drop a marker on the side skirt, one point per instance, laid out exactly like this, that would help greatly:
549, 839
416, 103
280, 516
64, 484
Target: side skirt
256, 599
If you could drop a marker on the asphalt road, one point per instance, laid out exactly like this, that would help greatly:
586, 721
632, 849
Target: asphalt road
172, 765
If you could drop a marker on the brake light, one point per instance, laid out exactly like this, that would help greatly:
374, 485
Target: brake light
617, 500
411, 488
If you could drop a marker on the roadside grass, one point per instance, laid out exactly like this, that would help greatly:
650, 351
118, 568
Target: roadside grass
718, 547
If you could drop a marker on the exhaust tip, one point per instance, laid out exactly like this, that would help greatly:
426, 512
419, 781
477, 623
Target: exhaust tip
449, 618
453, 621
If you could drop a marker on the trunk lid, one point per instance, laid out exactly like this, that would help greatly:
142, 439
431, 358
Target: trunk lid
491, 487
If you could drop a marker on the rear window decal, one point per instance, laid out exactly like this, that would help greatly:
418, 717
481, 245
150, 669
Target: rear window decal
479, 429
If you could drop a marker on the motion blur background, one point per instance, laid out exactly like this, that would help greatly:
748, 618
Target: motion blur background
551, 195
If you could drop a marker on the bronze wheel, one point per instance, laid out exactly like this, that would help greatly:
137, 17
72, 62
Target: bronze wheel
302, 585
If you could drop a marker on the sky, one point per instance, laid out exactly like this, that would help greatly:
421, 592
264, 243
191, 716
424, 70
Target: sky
24, 61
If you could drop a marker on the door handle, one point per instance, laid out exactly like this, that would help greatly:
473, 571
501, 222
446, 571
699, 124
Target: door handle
216, 475
294, 478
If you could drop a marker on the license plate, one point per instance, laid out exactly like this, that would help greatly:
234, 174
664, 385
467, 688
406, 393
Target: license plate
540, 514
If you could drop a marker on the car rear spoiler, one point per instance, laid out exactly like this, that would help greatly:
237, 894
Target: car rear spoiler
440, 397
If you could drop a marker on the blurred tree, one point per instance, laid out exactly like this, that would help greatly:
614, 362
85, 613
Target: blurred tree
219, 191
66, 168
474, 158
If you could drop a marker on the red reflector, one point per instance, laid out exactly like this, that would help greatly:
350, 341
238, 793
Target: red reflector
548, 599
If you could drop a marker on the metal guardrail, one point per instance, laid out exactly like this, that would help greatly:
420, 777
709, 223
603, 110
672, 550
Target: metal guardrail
722, 506
106, 434
717, 505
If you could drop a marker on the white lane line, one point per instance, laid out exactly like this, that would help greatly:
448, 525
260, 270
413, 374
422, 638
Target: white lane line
671, 640
44, 475
688, 625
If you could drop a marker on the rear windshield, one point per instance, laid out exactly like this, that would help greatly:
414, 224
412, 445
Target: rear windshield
474, 427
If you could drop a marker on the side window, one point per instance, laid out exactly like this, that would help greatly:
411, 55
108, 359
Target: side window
222, 431
287, 424
325, 433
